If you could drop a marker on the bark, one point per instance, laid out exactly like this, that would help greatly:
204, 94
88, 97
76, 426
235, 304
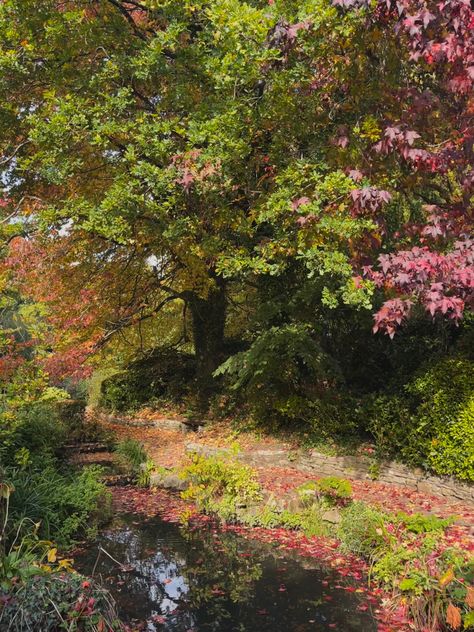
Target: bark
208, 320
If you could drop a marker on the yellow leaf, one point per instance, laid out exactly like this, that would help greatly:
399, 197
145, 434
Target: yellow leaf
447, 578
453, 617
46, 568
65, 565
52, 555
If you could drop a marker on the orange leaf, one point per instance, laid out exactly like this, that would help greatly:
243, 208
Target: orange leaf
453, 617
470, 596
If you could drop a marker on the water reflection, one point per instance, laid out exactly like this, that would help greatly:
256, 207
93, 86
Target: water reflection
183, 580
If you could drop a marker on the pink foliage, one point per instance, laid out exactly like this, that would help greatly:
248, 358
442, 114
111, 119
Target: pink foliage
442, 282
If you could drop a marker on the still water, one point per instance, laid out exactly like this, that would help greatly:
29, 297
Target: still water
181, 580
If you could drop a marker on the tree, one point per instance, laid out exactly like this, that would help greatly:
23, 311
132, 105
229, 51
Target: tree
177, 148
155, 132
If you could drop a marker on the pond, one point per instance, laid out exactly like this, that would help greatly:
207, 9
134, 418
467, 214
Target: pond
180, 579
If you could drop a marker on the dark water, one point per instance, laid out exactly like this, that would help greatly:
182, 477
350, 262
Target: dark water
181, 580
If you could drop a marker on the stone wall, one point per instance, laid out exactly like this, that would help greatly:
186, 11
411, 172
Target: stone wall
354, 467
183, 425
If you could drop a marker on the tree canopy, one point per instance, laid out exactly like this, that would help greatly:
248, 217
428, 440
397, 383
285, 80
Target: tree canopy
178, 155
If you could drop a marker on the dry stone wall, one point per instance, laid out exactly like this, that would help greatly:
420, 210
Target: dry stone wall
355, 467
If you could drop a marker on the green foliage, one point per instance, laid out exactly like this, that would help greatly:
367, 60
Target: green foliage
412, 556
278, 378
278, 359
308, 519
388, 420
143, 478
159, 374
362, 529
335, 490
418, 523
220, 485
49, 602
444, 432
452, 451
307, 493
64, 505
37, 427
132, 455
431, 424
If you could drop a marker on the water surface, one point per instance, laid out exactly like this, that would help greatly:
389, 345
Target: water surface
183, 580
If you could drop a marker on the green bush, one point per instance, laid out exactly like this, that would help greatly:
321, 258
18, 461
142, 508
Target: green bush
162, 373
335, 490
430, 425
220, 485
388, 419
65, 505
36, 427
452, 452
418, 523
443, 433
361, 530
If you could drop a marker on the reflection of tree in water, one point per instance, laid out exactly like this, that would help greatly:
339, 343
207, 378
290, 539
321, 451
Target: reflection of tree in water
195, 579
177, 571
220, 565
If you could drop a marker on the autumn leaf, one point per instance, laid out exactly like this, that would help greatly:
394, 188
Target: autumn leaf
470, 596
52, 555
447, 577
453, 617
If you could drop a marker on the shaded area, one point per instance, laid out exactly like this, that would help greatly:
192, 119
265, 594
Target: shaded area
188, 580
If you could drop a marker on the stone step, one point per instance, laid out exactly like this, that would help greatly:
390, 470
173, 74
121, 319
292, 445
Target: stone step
90, 447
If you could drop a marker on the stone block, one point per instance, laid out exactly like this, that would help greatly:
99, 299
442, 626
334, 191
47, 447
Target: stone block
331, 515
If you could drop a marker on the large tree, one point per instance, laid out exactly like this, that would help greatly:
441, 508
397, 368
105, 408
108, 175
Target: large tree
180, 146
155, 131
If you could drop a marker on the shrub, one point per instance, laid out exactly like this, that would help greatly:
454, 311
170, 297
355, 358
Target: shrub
452, 452
362, 529
220, 485
278, 376
411, 555
418, 523
36, 427
162, 373
307, 493
51, 602
335, 490
388, 419
443, 432
432, 424
65, 505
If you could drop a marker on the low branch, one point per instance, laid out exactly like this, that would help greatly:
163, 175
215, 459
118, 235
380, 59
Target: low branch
130, 320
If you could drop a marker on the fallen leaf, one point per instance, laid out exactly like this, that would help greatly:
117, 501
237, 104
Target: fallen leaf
453, 617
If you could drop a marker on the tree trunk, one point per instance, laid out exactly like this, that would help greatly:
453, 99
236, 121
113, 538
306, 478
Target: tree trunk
208, 320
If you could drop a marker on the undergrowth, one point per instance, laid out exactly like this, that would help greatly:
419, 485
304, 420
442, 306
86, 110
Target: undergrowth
410, 556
